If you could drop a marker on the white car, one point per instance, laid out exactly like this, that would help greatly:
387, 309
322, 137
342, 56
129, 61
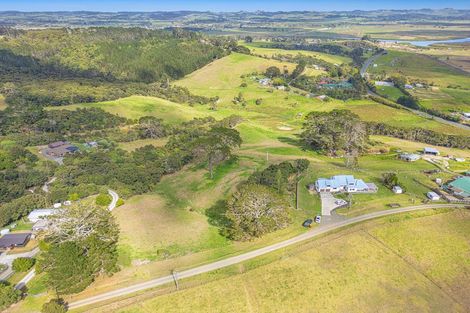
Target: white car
318, 219
340, 202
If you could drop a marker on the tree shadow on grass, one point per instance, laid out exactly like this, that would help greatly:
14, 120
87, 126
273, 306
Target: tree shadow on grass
296, 142
216, 216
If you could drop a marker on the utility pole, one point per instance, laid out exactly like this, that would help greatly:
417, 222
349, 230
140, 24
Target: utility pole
175, 279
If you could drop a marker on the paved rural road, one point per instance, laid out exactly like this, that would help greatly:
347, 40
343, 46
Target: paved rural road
363, 72
369, 61
115, 198
45, 187
249, 255
25, 280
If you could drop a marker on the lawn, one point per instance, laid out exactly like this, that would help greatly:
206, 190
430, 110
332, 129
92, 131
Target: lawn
415, 262
392, 93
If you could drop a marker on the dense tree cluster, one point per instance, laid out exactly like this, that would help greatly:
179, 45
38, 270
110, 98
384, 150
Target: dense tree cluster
135, 54
65, 66
200, 140
22, 264
420, 135
335, 133
12, 156
17, 208
14, 183
255, 210
356, 90
261, 204
81, 245
55, 92
390, 179
8, 295
54, 306
355, 50
409, 102
57, 121
278, 176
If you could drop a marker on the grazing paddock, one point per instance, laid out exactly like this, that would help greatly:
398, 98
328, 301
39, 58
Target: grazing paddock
257, 49
224, 74
421, 67
133, 145
444, 99
412, 262
222, 78
413, 146
137, 106
391, 93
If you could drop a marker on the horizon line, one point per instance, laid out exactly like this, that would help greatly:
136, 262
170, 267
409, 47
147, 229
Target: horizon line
239, 11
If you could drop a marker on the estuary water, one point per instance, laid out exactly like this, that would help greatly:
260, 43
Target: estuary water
426, 43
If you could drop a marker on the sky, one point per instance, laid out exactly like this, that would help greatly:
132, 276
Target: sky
223, 5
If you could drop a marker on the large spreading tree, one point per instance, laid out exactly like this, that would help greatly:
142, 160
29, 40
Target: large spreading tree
217, 146
335, 133
82, 245
255, 210
8, 295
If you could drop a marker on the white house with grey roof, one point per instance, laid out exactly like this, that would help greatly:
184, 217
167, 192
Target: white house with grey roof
40, 214
343, 183
410, 157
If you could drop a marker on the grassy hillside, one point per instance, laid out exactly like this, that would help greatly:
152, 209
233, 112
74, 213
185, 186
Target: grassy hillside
182, 200
223, 78
175, 225
449, 92
257, 48
416, 262
138, 106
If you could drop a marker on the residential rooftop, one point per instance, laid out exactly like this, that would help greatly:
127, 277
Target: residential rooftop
14, 240
460, 186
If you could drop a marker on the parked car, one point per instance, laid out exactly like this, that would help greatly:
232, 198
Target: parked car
340, 202
318, 219
308, 223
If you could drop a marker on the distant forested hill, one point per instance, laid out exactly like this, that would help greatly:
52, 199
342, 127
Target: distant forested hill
63, 66
134, 54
